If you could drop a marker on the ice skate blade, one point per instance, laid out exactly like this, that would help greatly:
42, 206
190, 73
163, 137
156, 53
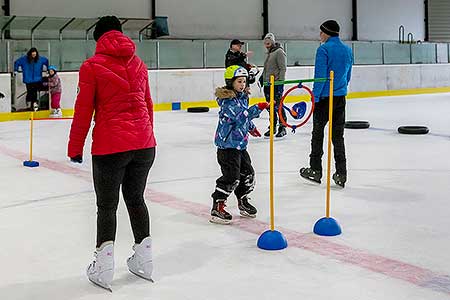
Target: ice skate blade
275, 138
310, 180
108, 288
216, 220
339, 186
246, 214
141, 276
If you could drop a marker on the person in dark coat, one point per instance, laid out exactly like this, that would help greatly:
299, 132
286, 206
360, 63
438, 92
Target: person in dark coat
235, 57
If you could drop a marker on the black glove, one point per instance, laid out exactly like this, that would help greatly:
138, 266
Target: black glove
77, 159
251, 78
2, 95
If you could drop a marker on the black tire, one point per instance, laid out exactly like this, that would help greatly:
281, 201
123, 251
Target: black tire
198, 109
357, 125
413, 130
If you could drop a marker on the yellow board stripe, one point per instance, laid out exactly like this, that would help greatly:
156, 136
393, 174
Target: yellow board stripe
213, 104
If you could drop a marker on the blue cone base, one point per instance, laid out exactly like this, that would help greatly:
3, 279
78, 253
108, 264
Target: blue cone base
327, 227
31, 163
272, 240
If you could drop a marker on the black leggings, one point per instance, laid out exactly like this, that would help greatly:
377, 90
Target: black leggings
129, 169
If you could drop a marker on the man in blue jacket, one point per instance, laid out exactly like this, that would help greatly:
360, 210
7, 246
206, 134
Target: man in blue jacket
32, 66
332, 55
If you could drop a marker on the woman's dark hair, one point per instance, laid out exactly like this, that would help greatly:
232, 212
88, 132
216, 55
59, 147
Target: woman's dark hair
31, 59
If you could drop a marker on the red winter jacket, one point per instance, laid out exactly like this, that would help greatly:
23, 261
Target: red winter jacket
113, 83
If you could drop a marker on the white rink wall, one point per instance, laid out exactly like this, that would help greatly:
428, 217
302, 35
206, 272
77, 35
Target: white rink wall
193, 85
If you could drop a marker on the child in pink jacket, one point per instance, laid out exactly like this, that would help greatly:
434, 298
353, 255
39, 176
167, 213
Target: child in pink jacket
54, 86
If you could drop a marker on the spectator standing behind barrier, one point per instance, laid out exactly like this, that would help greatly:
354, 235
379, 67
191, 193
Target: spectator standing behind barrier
275, 64
235, 57
332, 55
32, 65
114, 83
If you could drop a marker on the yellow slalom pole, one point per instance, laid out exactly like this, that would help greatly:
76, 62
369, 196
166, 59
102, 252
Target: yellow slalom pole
330, 130
31, 136
271, 129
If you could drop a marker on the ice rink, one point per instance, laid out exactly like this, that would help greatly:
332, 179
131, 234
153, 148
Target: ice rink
394, 214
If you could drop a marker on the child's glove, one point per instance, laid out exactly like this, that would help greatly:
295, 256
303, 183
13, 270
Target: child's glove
263, 105
77, 159
255, 132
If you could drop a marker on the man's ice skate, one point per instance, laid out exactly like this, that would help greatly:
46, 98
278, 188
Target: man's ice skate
218, 213
245, 208
340, 179
101, 270
141, 262
311, 175
267, 134
281, 132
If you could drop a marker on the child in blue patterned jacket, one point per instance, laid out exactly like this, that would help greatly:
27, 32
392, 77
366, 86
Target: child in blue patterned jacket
235, 123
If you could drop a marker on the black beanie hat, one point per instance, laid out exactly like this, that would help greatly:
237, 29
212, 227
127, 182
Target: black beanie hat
330, 27
105, 24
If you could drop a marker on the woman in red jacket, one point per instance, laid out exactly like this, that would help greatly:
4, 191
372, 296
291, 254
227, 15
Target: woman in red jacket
114, 84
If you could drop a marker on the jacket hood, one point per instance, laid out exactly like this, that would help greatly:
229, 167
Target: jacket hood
275, 47
115, 43
224, 93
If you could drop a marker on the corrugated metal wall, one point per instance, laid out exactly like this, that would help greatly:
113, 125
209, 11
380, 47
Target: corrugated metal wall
439, 20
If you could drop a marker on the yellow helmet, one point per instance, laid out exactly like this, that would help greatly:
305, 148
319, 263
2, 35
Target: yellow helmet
235, 71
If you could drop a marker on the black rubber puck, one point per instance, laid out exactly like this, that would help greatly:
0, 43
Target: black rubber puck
357, 125
198, 109
413, 130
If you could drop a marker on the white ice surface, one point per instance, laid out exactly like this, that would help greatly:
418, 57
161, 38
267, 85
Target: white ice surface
395, 205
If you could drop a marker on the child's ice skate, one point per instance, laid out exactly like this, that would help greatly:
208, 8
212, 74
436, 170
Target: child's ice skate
56, 113
218, 213
245, 208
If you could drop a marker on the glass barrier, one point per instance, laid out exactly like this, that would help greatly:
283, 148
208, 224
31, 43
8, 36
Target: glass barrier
442, 53
69, 54
3, 58
146, 50
215, 53
301, 53
72, 54
423, 54
397, 53
180, 54
259, 52
368, 53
